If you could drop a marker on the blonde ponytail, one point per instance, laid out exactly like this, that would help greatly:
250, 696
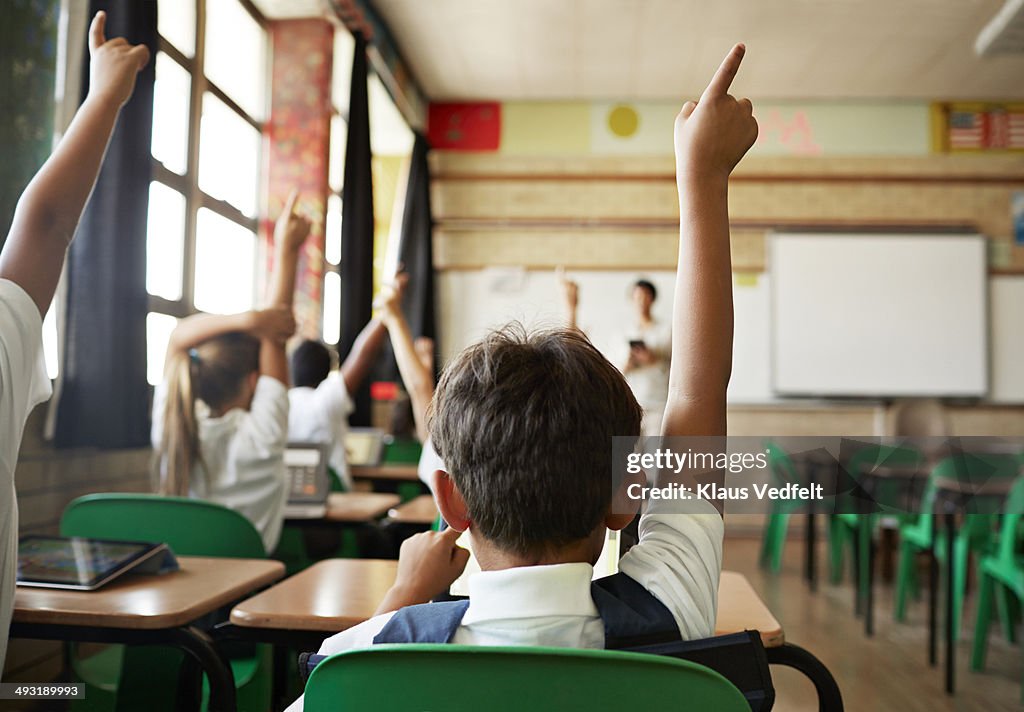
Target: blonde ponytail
179, 442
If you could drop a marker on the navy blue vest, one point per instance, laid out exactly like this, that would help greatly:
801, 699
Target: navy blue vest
630, 613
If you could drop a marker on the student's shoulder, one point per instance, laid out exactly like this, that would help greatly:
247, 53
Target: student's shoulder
359, 636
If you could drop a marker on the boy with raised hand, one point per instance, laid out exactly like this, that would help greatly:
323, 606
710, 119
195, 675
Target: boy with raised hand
31, 262
525, 424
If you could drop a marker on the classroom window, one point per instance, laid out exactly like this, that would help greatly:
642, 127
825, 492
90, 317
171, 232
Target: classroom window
204, 203
158, 332
332, 307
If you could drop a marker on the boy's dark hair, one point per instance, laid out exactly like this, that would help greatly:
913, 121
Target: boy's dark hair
524, 424
311, 362
647, 285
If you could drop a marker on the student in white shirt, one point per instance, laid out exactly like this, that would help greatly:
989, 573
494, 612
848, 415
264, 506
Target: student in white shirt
31, 262
650, 348
220, 417
320, 400
524, 425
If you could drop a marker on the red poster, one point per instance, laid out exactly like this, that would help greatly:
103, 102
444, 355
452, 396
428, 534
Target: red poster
464, 126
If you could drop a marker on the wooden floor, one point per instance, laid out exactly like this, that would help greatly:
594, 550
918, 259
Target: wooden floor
887, 672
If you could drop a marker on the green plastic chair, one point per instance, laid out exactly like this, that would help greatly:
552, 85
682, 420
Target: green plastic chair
773, 540
849, 527
1001, 578
513, 679
974, 535
130, 678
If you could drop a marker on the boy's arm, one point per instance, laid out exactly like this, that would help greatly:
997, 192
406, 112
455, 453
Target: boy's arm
571, 298
290, 232
364, 352
711, 137
51, 206
418, 379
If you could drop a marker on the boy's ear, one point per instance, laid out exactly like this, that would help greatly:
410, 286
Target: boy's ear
624, 508
450, 502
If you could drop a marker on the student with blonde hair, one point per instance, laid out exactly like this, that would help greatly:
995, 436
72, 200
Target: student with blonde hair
220, 418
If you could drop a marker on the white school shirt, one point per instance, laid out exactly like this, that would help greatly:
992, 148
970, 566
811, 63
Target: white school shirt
678, 559
23, 385
242, 456
320, 415
650, 383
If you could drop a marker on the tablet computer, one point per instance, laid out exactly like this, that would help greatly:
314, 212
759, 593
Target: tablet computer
81, 564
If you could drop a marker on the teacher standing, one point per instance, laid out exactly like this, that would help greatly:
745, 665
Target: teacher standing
650, 349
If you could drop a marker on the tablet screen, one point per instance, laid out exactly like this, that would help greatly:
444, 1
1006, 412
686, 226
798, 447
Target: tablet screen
73, 561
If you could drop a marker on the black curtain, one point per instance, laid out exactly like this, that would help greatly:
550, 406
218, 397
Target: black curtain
357, 225
104, 399
417, 246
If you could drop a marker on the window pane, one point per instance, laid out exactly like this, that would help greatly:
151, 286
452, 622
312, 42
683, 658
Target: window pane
336, 161
177, 24
229, 156
225, 261
332, 307
341, 70
235, 57
158, 331
165, 239
332, 251
170, 114
389, 134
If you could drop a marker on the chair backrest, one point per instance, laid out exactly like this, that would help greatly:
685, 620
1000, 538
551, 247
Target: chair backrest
1013, 513
871, 457
191, 527
512, 679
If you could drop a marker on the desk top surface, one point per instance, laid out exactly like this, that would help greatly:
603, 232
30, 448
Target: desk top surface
149, 602
406, 472
358, 506
420, 510
336, 594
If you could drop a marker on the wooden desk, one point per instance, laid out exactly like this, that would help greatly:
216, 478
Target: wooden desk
403, 473
352, 507
333, 595
421, 511
153, 610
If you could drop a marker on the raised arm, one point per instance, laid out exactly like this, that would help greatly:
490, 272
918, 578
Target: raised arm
274, 324
711, 136
417, 377
51, 206
570, 298
290, 232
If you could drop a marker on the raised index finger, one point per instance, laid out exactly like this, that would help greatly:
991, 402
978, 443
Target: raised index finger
289, 204
719, 85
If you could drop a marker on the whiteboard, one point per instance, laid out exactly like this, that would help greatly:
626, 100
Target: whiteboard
879, 315
1007, 305
472, 302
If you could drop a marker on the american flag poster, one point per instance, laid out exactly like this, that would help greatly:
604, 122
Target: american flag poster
993, 127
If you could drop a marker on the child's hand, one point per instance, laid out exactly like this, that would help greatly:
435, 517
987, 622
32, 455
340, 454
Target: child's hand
275, 324
712, 135
113, 65
570, 289
291, 229
428, 563
389, 300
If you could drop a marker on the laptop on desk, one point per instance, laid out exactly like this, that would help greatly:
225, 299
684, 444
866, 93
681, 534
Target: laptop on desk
364, 447
308, 484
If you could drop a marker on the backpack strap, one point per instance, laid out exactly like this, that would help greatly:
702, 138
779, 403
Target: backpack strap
425, 623
631, 614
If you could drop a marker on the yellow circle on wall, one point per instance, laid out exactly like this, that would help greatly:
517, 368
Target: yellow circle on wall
623, 120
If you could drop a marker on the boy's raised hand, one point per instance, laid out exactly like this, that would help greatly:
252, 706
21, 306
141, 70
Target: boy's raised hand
114, 64
275, 324
570, 289
291, 229
389, 300
713, 134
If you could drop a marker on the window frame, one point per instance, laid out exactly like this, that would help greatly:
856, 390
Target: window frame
188, 183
